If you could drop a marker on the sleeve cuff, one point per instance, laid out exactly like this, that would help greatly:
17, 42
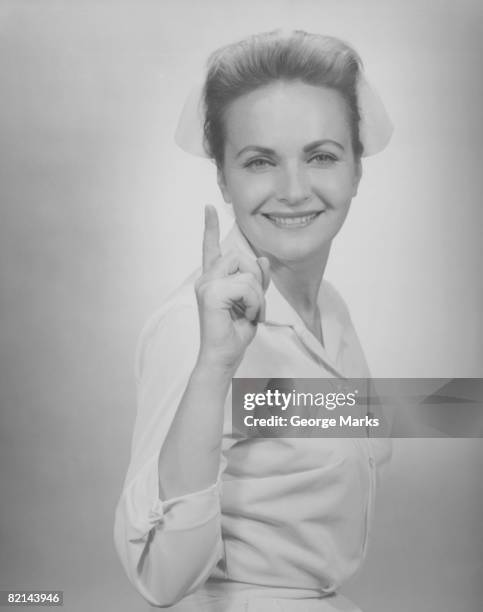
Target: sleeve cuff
185, 511
145, 511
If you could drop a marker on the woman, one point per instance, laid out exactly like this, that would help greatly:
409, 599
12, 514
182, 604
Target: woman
209, 519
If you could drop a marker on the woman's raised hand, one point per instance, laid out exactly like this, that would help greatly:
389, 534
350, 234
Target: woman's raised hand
231, 299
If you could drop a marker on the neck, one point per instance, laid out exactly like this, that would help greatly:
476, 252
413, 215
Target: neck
299, 283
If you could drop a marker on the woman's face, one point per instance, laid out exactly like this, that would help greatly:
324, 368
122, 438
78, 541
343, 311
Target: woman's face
289, 168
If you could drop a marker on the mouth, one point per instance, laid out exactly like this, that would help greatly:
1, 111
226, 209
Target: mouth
291, 221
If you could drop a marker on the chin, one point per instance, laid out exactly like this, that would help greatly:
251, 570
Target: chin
296, 252
294, 244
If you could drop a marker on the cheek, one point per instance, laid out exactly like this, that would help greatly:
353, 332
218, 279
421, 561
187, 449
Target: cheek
248, 192
335, 188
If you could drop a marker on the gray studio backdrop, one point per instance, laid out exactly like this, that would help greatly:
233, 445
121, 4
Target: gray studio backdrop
101, 218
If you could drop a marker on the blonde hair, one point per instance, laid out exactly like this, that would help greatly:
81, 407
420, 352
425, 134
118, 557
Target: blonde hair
261, 59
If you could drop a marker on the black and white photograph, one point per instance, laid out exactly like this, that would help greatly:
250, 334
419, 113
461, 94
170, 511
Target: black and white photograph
241, 305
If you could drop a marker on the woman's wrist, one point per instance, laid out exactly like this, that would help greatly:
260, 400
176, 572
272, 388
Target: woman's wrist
213, 371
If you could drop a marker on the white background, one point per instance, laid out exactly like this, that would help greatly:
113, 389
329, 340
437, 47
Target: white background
102, 218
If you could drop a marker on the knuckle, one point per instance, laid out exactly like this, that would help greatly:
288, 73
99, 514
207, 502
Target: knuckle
211, 289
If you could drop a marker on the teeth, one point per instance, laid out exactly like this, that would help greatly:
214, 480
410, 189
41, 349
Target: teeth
292, 221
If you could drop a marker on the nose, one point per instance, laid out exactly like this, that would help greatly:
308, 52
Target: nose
293, 184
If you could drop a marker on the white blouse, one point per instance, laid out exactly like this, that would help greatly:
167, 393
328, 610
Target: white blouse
288, 519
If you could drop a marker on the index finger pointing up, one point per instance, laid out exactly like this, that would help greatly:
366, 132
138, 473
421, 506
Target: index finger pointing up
211, 237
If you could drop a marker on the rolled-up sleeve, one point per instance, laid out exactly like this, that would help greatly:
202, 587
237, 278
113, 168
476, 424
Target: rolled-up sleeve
168, 547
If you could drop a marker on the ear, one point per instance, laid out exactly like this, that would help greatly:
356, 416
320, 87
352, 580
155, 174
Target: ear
220, 177
357, 177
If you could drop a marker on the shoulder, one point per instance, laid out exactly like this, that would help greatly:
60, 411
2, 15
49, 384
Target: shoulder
172, 331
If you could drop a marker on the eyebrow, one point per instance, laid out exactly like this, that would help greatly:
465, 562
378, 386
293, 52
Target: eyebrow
319, 143
310, 147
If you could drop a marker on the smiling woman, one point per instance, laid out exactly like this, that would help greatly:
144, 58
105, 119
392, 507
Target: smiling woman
302, 178
208, 519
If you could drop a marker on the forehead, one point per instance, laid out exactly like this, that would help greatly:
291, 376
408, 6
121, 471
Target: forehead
287, 114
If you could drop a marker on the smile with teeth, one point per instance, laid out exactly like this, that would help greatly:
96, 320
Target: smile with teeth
292, 221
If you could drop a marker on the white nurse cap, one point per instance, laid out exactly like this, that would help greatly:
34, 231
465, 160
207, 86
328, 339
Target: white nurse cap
375, 126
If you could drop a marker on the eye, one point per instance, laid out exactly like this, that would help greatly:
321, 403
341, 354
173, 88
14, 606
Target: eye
323, 159
258, 163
